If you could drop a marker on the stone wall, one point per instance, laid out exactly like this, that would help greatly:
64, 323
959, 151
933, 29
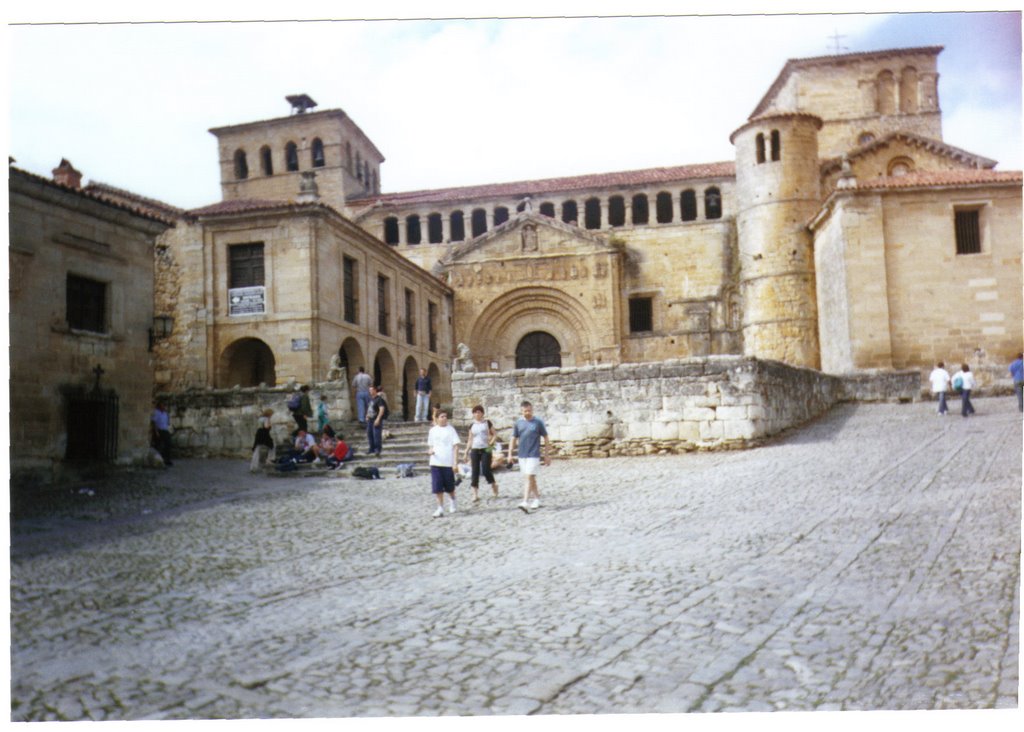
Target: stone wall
223, 422
669, 407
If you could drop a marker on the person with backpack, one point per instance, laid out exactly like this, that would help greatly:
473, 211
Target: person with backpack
376, 413
300, 408
963, 381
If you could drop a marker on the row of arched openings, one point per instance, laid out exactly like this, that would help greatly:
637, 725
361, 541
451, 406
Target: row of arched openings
418, 231
776, 146
291, 159
892, 93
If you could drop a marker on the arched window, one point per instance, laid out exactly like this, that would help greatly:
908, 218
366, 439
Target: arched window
457, 226
391, 230
317, 153
435, 234
616, 211
521, 206
538, 350
592, 213
412, 229
241, 166
266, 160
479, 221
776, 145
885, 93
291, 157
569, 212
908, 90
688, 205
712, 204
640, 211
900, 166
547, 209
759, 141
500, 215
663, 208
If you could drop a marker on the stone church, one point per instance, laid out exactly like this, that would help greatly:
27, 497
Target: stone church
845, 236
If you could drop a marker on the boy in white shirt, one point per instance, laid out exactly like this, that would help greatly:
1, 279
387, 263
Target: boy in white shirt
940, 384
442, 446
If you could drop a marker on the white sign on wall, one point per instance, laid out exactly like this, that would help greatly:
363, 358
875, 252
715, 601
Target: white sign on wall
247, 300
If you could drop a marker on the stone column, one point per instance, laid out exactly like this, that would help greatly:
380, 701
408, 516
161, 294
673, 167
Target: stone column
446, 233
603, 223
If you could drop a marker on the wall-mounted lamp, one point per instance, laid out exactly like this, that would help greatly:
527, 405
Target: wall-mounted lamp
162, 327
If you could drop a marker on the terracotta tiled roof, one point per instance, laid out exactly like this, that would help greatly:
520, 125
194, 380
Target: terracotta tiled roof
802, 63
159, 207
138, 210
552, 185
942, 178
251, 205
928, 143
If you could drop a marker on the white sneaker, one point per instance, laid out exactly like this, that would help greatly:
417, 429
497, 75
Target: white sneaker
535, 503
524, 507
318, 461
439, 512
451, 507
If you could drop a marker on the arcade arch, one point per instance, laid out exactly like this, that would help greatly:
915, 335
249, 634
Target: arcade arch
247, 362
407, 405
385, 375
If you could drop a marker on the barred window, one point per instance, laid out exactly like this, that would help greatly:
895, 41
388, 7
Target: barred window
968, 231
351, 302
86, 304
410, 321
245, 265
432, 326
641, 314
383, 305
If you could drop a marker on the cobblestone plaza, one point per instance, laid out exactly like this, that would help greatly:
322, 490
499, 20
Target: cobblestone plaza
868, 561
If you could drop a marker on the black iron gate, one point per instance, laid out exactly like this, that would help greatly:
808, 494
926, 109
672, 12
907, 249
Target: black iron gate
91, 426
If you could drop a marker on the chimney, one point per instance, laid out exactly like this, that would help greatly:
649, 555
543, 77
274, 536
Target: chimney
66, 175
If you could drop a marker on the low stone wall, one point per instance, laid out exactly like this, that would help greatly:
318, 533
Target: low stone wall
223, 422
673, 406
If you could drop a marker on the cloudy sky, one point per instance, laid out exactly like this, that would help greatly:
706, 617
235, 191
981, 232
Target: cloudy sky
460, 102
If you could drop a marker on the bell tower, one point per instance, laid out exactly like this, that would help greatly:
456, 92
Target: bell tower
778, 191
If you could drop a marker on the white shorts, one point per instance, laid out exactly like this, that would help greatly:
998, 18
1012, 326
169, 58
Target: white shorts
529, 466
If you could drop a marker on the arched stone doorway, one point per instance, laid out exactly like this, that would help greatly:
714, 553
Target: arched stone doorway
385, 375
247, 362
351, 355
538, 350
410, 373
441, 392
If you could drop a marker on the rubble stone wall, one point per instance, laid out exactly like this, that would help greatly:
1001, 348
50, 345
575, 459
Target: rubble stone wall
718, 402
223, 422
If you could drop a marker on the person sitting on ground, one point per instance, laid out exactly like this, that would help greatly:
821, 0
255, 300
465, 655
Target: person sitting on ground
342, 453
305, 449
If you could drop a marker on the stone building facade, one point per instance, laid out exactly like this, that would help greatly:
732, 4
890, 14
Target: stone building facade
81, 326
846, 235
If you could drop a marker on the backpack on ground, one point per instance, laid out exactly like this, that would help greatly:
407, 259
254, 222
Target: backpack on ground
366, 473
405, 470
295, 401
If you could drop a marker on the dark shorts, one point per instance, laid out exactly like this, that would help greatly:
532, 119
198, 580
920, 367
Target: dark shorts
442, 479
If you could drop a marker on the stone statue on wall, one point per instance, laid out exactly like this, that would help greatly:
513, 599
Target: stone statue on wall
463, 360
529, 238
335, 372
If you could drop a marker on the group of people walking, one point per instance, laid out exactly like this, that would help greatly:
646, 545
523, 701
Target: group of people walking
963, 383
481, 448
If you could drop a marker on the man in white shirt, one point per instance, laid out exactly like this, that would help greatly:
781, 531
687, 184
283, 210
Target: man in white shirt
443, 448
940, 385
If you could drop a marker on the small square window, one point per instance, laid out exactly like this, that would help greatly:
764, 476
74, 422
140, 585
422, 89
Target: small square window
641, 317
86, 304
968, 231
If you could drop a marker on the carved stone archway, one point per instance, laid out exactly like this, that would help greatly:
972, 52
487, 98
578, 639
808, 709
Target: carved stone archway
507, 319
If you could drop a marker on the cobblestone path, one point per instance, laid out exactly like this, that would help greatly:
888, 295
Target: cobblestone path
870, 560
